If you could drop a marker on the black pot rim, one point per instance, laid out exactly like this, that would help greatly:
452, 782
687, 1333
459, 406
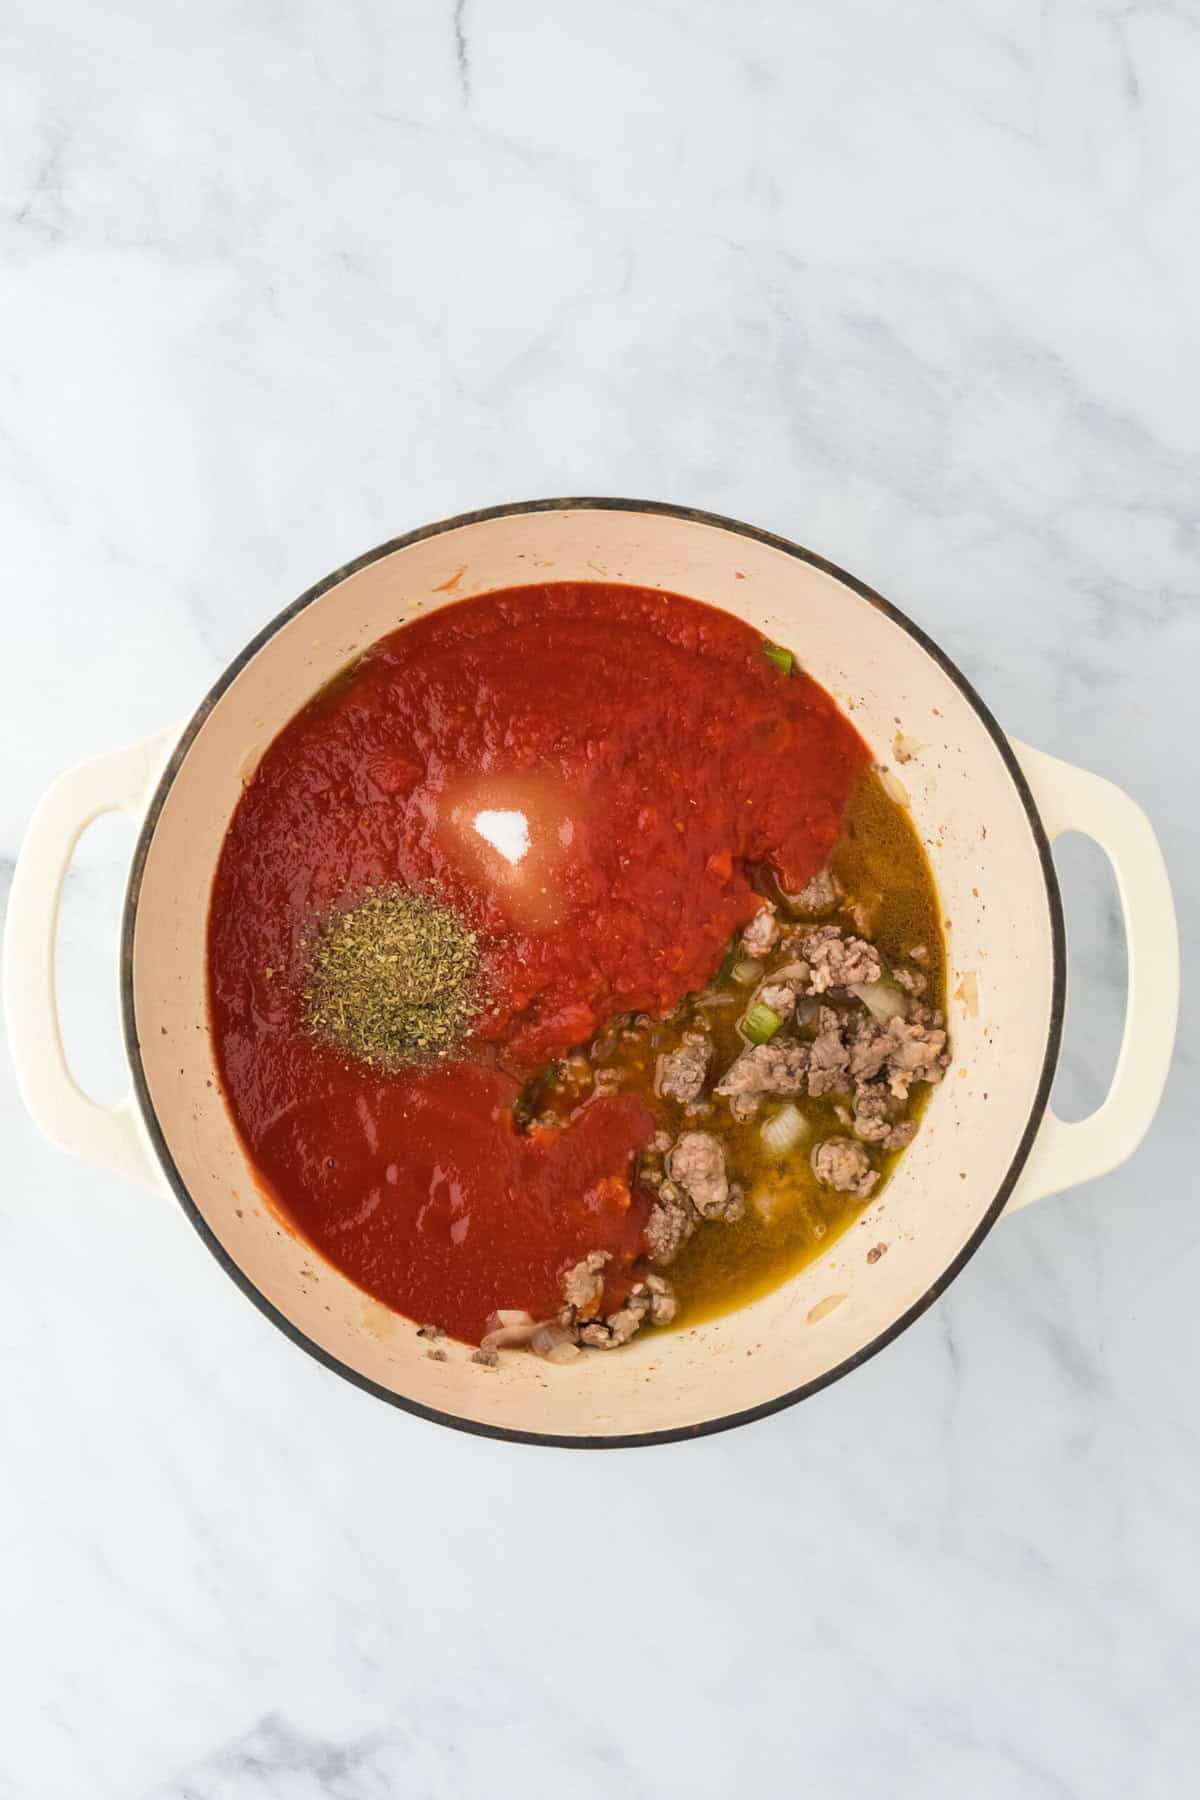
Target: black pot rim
726, 1421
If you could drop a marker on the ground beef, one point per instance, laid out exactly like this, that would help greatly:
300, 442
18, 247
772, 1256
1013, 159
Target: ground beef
650, 1301
818, 895
843, 1165
780, 1067
682, 1072
869, 1044
612, 1332
875, 1121
697, 1163
837, 960
760, 934
780, 998
903, 1051
583, 1285
868, 1068
872, 1104
663, 1304
917, 1053
671, 1223
829, 1058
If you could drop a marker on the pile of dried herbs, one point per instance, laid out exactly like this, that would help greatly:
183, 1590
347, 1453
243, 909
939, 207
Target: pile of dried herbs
394, 980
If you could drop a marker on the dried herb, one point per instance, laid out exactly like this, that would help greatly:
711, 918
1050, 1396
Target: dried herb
394, 980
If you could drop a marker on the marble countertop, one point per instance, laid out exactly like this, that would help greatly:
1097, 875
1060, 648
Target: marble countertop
916, 286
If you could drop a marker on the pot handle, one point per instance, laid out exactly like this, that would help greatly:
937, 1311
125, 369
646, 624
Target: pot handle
1071, 799
109, 1137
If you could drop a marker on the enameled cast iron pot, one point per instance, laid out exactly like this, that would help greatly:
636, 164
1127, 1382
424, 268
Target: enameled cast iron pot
987, 810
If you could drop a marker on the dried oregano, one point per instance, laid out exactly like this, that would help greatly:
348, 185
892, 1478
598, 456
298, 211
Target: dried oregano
394, 980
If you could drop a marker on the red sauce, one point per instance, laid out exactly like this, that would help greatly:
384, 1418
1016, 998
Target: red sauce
588, 773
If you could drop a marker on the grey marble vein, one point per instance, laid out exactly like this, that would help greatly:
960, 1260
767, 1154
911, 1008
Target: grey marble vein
462, 50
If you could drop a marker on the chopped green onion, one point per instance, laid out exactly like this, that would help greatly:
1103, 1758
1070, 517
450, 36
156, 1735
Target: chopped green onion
760, 1024
728, 963
775, 653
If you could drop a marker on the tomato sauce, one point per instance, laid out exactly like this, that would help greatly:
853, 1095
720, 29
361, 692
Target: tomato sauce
589, 774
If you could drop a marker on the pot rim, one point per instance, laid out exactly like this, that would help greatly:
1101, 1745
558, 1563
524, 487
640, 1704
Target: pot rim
725, 1421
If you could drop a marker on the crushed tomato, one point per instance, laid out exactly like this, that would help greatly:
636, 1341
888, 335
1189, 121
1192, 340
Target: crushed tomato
589, 774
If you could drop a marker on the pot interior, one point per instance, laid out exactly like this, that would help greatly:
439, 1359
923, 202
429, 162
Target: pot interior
985, 856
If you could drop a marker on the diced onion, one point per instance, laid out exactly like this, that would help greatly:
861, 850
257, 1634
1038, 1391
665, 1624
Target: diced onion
784, 1130
507, 1328
506, 1317
554, 1343
793, 971
747, 973
892, 785
882, 999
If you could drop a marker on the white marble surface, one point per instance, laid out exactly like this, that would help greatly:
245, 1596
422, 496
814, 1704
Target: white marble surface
916, 285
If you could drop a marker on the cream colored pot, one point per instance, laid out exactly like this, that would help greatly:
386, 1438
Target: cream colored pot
987, 810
